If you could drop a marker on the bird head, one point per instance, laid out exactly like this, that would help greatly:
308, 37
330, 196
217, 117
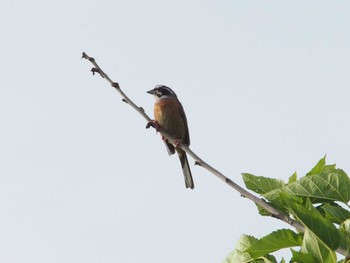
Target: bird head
161, 91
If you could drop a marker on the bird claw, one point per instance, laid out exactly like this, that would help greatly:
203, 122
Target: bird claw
154, 124
177, 142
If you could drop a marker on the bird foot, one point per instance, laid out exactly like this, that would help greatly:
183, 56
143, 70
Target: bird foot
177, 142
154, 124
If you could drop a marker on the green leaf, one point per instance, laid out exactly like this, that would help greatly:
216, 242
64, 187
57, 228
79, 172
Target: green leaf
345, 235
260, 184
293, 178
313, 246
299, 257
324, 183
278, 204
334, 212
328, 186
274, 197
311, 218
279, 239
318, 167
262, 211
267, 259
238, 254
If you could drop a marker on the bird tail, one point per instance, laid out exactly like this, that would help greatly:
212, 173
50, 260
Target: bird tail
186, 169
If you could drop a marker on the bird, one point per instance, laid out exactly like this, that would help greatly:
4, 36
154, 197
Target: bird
170, 116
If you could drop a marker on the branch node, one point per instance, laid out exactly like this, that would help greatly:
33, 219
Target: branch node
197, 163
94, 70
228, 180
124, 100
115, 85
141, 109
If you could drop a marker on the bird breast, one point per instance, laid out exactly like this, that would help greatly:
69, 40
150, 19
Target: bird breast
167, 112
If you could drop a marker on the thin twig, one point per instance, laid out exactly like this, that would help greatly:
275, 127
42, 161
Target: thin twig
273, 211
244, 193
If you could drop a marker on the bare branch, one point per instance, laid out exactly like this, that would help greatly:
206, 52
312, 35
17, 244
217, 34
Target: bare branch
198, 161
274, 212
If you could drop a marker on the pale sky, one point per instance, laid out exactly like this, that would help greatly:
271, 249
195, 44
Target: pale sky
265, 86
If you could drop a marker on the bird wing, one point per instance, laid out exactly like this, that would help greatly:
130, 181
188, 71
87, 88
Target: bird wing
183, 116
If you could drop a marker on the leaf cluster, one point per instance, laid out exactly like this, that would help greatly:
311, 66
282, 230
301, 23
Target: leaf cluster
318, 200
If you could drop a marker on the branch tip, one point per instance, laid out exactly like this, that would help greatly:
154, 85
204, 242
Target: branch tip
84, 55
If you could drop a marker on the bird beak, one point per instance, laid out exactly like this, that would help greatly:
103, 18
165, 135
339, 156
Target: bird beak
152, 91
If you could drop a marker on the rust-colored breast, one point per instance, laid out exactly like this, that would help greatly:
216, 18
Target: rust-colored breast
169, 114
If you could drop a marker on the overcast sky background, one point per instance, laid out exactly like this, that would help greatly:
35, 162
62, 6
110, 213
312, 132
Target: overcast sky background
265, 86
